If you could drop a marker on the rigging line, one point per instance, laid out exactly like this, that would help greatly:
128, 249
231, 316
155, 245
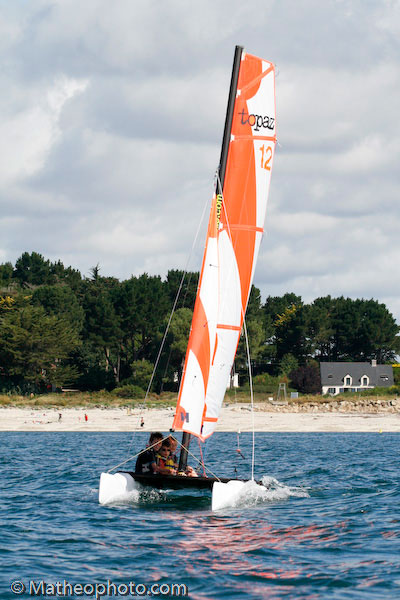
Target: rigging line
165, 370
251, 400
141, 408
202, 459
205, 451
187, 288
183, 305
198, 460
246, 337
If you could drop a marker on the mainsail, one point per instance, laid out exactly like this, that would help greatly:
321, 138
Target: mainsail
233, 239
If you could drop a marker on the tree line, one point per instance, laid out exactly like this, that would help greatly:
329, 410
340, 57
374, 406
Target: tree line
59, 329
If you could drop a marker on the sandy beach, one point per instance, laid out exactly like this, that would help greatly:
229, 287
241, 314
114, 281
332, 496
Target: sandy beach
233, 418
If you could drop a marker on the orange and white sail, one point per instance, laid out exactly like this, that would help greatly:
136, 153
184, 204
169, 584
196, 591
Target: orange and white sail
234, 234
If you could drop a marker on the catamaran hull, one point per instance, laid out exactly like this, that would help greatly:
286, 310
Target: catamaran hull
176, 482
115, 487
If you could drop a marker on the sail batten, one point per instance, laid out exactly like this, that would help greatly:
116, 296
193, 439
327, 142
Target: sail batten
234, 235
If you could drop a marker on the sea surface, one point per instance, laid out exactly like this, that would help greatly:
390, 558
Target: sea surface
327, 524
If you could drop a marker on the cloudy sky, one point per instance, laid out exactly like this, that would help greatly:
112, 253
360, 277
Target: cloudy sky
111, 119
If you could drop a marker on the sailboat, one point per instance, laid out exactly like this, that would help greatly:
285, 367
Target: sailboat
234, 234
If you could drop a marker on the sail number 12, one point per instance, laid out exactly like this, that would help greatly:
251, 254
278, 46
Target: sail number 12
266, 157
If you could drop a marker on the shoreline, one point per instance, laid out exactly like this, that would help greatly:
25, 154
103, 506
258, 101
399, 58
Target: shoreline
234, 417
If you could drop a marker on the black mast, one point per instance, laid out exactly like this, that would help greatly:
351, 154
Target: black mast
228, 119
184, 451
220, 186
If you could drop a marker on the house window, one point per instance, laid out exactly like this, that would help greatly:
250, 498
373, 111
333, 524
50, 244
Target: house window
347, 380
331, 390
364, 381
384, 378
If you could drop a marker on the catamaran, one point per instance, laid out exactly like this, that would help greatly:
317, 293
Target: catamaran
234, 234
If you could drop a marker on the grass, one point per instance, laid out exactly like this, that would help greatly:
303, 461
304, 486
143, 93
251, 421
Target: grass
104, 399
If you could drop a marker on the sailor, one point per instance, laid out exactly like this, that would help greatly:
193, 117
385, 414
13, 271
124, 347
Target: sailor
146, 462
173, 444
190, 472
164, 461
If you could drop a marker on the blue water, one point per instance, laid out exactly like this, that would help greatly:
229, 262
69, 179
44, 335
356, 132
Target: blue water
331, 532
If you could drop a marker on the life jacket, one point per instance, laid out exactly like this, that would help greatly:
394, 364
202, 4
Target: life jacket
161, 461
170, 464
174, 459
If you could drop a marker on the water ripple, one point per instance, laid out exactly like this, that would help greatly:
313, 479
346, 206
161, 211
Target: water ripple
325, 524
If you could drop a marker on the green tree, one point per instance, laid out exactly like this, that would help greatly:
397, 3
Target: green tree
290, 333
142, 306
306, 379
319, 328
32, 269
102, 326
95, 272
273, 307
90, 362
363, 329
65, 275
6, 273
173, 356
60, 300
36, 346
255, 332
179, 336
378, 332
288, 364
188, 291
141, 373
256, 337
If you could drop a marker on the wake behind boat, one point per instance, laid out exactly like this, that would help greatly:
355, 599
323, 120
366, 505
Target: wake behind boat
234, 234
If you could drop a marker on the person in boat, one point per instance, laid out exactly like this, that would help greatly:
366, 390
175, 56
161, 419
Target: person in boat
146, 462
190, 472
164, 459
173, 444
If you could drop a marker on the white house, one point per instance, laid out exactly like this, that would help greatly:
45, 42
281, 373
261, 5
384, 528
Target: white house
339, 377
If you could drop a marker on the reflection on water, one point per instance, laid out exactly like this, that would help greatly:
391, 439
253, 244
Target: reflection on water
250, 550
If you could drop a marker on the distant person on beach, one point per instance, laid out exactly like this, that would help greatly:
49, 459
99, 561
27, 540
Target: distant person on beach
146, 462
86, 417
142, 422
59, 417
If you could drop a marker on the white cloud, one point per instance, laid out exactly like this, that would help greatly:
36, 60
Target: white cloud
117, 172
27, 136
368, 155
